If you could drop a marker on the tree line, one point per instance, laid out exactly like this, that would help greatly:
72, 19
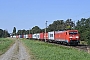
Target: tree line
4, 33
57, 25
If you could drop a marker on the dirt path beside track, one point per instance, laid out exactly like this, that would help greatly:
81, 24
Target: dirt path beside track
16, 52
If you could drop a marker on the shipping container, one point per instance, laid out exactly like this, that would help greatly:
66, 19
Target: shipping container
38, 36
51, 35
29, 36
26, 36
34, 36
17, 36
46, 36
14, 36
11, 36
20, 36
41, 36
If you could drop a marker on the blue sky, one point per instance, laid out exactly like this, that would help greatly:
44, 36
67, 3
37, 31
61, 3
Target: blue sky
25, 14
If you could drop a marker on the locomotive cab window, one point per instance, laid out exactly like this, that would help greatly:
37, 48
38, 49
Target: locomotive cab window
73, 33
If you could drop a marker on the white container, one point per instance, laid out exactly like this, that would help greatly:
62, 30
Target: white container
34, 36
19, 36
11, 36
26, 36
51, 35
14, 36
38, 36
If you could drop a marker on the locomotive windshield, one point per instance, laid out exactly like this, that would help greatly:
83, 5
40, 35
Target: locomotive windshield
73, 33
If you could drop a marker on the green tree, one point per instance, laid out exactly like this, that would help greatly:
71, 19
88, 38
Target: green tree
14, 31
35, 29
23, 31
19, 32
61, 25
83, 26
69, 24
4, 33
56, 25
1, 33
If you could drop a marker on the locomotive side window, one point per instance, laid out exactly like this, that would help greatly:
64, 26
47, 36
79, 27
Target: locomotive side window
66, 33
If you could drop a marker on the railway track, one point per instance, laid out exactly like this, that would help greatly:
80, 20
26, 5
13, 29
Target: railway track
85, 48
80, 47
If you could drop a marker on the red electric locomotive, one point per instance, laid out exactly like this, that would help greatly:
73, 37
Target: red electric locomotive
68, 37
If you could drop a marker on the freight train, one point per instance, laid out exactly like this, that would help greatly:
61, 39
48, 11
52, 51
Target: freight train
64, 37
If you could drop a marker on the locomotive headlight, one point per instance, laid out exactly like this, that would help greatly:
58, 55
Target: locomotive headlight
70, 37
77, 36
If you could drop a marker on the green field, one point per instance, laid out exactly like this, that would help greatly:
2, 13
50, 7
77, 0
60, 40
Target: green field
5, 44
46, 51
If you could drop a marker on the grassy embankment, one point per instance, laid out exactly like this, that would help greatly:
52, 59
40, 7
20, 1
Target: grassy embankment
84, 42
5, 44
44, 51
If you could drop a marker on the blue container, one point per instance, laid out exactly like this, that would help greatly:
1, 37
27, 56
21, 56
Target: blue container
21, 36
